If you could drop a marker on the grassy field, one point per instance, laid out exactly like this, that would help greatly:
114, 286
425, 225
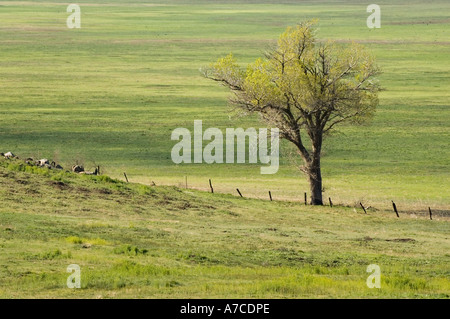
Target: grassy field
137, 241
111, 93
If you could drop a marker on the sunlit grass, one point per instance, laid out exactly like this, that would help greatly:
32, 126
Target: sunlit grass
171, 242
111, 92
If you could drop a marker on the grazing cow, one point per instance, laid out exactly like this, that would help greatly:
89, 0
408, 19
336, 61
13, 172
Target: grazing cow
91, 173
9, 155
77, 169
43, 162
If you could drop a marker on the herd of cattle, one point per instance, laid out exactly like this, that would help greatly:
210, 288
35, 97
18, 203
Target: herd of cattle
45, 163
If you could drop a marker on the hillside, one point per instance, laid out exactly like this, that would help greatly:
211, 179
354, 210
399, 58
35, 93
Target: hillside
138, 241
109, 95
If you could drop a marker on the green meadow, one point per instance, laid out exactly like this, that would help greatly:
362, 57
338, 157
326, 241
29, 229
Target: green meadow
137, 241
111, 93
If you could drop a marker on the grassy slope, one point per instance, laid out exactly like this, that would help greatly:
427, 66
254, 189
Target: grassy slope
165, 242
112, 92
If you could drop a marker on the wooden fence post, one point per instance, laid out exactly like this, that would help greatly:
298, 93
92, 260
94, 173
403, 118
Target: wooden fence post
429, 209
125, 174
210, 185
270, 195
363, 207
395, 208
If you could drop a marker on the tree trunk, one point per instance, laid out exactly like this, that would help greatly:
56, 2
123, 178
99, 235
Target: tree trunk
315, 184
312, 166
314, 174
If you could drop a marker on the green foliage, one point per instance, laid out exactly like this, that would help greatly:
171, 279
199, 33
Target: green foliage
303, 83
23, 167
90, 241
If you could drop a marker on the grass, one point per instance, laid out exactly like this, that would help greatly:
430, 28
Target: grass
111, 93
183, 243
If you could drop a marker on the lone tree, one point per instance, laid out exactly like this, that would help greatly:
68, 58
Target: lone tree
305, 88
